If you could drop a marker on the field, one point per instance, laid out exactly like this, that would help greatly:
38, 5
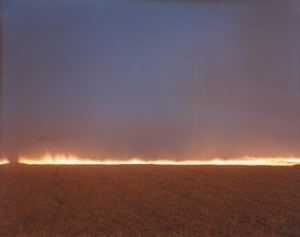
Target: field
149, 201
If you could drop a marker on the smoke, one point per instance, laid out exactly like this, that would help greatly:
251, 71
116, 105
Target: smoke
1, 74
151, 80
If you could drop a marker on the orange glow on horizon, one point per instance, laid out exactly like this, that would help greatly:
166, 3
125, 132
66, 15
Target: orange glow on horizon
4, 161
62, 159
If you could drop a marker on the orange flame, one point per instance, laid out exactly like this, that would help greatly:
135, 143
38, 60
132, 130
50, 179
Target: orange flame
62, 159
4, 161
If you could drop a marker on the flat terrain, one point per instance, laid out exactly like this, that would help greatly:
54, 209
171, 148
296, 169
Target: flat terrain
149, 201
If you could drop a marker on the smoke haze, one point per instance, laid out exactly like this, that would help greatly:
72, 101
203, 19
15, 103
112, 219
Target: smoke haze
153, 80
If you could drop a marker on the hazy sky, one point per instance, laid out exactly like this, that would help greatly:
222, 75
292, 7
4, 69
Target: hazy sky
152, 79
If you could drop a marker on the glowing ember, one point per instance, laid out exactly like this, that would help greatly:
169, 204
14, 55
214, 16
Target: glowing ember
4, 161
61, 159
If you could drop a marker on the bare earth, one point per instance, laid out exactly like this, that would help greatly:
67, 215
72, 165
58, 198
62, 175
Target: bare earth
149, 201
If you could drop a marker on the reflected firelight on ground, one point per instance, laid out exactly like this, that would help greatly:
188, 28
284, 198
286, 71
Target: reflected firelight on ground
63, 159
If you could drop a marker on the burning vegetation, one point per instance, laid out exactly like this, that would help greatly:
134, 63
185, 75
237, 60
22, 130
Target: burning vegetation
62, 159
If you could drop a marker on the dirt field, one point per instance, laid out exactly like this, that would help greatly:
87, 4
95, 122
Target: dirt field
149, 201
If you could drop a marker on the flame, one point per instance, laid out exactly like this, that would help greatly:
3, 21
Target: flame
4, 161
62, 159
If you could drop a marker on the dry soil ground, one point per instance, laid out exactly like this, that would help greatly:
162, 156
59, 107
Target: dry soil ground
149, 201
